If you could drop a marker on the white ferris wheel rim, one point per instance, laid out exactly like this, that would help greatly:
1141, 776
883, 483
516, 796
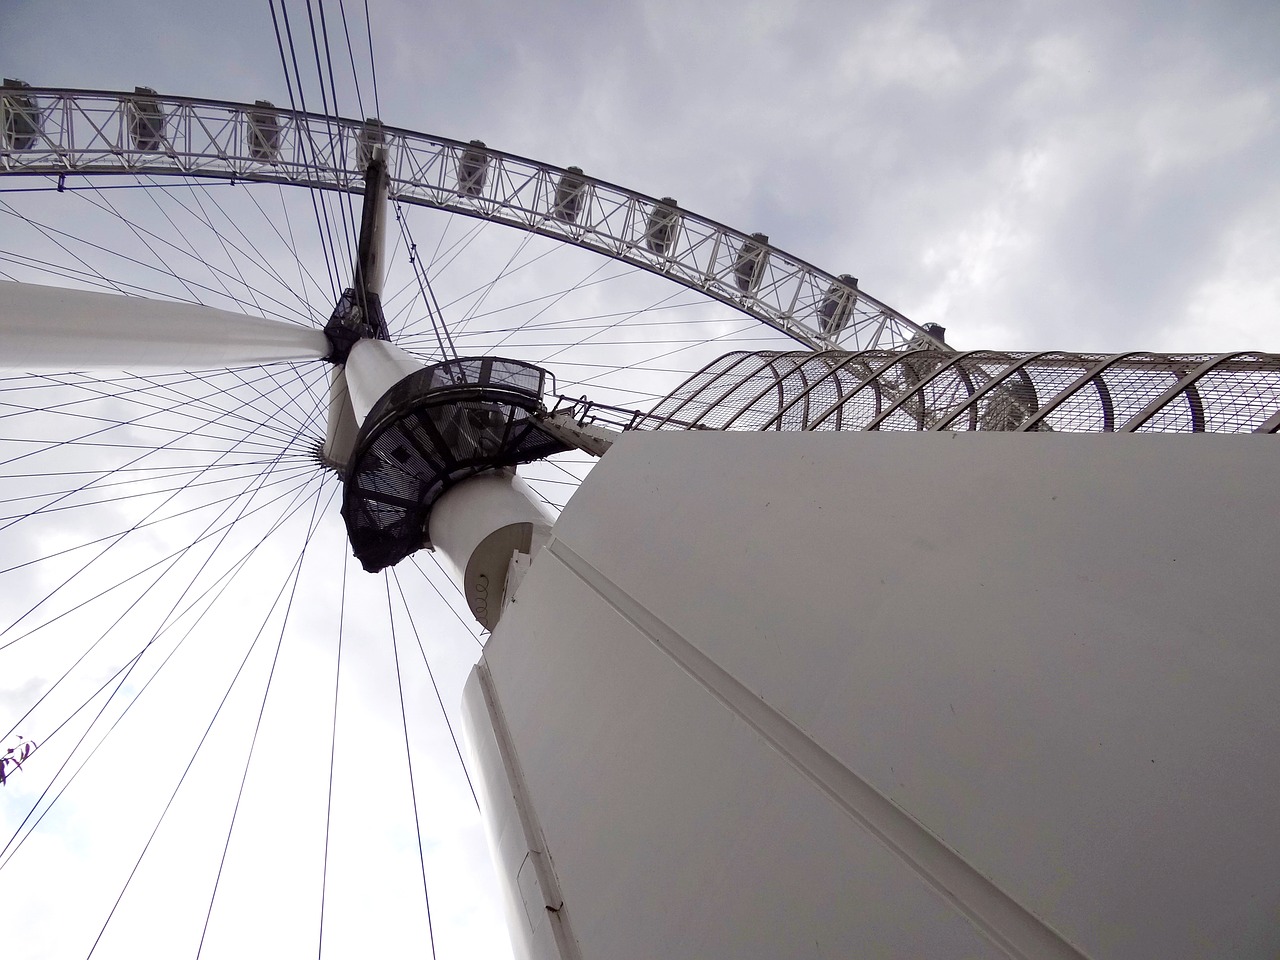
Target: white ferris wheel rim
95, 133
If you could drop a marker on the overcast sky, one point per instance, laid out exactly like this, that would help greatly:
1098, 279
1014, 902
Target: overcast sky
1034, 175
1082, 176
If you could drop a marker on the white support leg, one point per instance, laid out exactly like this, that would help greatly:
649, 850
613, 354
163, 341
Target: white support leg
51, 328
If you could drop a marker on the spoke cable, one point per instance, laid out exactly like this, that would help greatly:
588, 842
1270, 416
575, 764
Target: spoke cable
408, 755
190, 763
333, 753
262, 709
168, 620
435, 687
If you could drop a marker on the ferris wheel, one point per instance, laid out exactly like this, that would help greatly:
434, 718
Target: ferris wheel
212, 699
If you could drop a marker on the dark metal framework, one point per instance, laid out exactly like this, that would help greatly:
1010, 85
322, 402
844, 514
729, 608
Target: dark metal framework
928, 389
54, 132
432, 430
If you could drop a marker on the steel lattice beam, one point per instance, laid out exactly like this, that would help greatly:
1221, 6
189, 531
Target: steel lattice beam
76, 132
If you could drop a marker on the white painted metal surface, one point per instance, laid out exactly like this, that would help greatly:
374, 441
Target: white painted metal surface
537, 920
477, 525
52, 328
1025, 706
374, 367
341, 426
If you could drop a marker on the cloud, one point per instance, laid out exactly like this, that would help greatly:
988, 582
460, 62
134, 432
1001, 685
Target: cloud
1029, 175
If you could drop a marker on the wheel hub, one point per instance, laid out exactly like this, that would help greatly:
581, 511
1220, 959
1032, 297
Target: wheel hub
428, 433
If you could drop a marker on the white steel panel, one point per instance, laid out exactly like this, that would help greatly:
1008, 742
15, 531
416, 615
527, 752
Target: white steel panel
1054, 654
672, 828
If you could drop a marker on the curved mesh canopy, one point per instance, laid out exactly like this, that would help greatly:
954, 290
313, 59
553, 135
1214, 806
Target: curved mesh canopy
931, 389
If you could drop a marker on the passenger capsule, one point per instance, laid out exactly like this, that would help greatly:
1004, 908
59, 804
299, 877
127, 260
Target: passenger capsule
931, 336
570, 192
21, 116
264, 131
837, 305
937, 331
473, 166
750, 263
370, 138
146, 121
660, 232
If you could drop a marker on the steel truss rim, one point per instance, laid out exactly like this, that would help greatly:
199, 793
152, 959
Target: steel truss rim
879, 314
